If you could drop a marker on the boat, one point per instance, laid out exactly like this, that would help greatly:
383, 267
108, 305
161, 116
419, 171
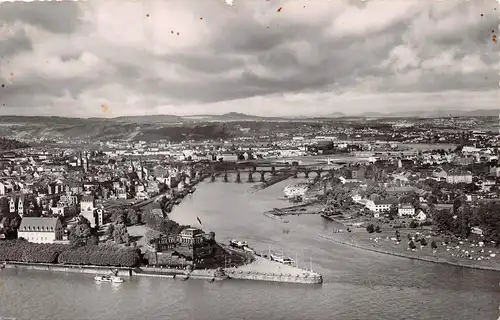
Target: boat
282, 259
107, 278
238, 244
192, 190
178, 201
3, 265
248, 249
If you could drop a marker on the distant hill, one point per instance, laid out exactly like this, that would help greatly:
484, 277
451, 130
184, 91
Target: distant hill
433, 114
231, 116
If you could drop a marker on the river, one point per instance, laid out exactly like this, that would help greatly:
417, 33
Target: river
357, 284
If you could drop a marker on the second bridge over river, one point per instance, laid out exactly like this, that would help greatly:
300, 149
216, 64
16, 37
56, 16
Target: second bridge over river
260, 175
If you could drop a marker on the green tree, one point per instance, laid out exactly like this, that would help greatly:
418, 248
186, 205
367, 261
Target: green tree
423, 242
377, 229
413, 224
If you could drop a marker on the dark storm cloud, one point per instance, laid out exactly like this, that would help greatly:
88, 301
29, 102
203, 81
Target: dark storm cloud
57, 17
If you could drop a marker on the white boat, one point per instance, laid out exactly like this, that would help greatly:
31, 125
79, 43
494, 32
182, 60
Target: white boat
248, 249
282, 259
238, 243
113, 279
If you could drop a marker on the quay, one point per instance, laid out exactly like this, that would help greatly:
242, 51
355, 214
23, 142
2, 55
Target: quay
260, 269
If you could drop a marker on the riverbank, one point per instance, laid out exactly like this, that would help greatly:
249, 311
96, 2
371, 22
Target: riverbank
260, 269
386, 245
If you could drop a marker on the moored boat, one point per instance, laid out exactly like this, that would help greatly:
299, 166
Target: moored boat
282, 259
238, 244
107, 278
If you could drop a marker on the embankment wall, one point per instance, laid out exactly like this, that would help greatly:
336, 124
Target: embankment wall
122, 272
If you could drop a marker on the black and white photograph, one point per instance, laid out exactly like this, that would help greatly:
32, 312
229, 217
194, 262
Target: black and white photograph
250, 160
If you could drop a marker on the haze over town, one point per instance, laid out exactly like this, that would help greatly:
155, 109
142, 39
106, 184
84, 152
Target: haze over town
311, 58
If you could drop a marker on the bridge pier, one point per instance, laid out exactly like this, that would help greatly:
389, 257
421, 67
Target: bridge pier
225, 176
212, 178
295, 173
238, 177
262, 178
273, 170
250, 177
307, 174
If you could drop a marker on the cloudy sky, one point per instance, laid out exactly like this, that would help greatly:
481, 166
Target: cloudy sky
314, 57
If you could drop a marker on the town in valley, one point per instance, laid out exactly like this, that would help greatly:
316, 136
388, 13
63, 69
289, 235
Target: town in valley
425, 188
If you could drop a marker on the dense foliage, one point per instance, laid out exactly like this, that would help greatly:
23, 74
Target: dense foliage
23, 251
10, 144
101, 256
162, 225
80, 233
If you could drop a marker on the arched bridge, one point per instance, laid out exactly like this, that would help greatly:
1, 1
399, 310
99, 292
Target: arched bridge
256, 175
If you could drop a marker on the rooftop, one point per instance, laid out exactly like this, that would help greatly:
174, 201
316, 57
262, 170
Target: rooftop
39, 224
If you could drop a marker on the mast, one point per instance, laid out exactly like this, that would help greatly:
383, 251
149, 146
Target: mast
310, 263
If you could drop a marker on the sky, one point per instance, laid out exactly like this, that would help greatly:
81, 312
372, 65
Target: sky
270, 58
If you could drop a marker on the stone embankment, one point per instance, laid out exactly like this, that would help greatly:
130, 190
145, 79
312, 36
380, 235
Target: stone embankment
265, 270
122, 272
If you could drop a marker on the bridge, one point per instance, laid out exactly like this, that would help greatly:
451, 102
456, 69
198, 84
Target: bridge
294, 172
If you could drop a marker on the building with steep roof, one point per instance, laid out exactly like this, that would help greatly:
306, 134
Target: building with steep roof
41, 230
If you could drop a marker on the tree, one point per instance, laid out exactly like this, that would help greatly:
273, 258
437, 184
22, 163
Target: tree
377, 229
120, 234
412, 245
413, 224
423, 242
109, 231
370, 228
132, 217
118, 216
79, 234
434, 245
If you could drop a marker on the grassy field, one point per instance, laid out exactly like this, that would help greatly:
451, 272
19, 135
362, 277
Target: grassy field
465, 253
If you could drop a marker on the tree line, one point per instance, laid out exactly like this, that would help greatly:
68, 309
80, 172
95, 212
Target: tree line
99, 255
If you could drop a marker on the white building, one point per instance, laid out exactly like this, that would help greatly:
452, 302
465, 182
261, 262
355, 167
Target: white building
459, 177
378, 206
40, 230
421, 216
406, 210
87, 209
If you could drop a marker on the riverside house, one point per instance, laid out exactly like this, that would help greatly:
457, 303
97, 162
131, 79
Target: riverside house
41, 230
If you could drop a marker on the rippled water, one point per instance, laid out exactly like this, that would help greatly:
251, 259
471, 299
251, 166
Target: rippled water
358, 284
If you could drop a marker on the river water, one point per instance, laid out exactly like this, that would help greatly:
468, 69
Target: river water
357, 284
